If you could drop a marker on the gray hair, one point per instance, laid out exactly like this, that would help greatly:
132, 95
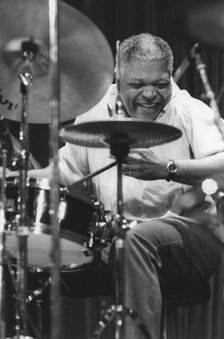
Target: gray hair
146, 47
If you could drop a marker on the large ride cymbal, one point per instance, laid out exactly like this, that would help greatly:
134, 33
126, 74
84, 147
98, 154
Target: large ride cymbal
205, 23
136, 133
85, 60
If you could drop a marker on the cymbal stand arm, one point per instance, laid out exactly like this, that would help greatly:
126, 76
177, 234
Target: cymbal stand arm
2, 244
97, 172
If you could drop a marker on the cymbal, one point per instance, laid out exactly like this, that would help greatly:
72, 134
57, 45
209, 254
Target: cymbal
136, 133
85, 60
206, 24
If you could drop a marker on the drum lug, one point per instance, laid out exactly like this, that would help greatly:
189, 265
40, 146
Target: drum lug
87, 253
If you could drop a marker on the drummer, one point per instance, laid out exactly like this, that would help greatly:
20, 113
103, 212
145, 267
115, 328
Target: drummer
164, 247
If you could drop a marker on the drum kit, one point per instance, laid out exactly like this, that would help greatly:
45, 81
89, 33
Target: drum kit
29, 88
36, 38
86, 70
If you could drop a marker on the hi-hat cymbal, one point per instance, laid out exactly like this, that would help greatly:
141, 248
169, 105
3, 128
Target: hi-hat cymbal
85, 60
206, 23
136, 133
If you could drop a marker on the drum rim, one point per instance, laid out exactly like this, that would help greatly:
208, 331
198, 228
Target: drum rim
41, 183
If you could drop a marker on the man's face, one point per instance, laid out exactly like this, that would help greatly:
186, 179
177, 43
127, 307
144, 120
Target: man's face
145, 88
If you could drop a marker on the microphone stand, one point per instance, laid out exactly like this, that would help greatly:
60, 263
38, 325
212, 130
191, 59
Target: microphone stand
201, 68
185, 63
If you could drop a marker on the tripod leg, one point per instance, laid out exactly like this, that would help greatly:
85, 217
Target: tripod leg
107, 318
130, 312
119, 287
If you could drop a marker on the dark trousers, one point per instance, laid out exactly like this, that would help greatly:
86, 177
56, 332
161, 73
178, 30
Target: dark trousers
159, 253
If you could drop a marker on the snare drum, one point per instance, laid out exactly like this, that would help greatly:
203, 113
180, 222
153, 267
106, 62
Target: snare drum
37, 204
73, 245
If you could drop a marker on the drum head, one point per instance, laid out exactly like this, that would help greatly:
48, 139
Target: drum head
39, 247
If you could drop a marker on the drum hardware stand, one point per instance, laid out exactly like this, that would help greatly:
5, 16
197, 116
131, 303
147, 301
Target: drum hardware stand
55, 300
36, 296
29, 50
2, 244
91, 241
100, 219
38, 292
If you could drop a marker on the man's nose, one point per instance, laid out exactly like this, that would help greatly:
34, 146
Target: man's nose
149, 92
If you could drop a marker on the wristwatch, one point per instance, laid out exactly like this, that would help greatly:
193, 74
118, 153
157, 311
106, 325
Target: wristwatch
171, 169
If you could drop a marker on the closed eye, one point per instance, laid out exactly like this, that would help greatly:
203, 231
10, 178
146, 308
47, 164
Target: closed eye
162, 85
135, 85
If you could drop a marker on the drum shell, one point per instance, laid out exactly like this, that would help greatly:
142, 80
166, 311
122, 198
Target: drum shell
37, 201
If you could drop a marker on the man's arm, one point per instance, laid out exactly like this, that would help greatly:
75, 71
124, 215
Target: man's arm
143, 164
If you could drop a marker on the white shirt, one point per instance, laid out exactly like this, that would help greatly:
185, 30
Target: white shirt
145, 200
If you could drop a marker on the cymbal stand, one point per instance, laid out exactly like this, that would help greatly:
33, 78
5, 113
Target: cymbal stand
119, 150
29, 50
2, 243
55, 300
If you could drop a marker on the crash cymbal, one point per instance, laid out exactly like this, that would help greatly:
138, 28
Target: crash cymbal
206, 23
85, 60
134, 132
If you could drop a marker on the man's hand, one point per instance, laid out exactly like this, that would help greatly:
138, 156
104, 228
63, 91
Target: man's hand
143, 164
8, 173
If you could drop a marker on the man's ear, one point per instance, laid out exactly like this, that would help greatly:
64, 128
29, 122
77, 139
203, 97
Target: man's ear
118, 84
117, 78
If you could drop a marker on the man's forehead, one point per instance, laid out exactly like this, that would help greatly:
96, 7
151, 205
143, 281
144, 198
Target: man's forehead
139, 69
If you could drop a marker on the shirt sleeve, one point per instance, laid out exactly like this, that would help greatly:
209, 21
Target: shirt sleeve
73, 159
72, 163
202, 130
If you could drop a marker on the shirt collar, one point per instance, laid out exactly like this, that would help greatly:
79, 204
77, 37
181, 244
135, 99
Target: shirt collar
175, 91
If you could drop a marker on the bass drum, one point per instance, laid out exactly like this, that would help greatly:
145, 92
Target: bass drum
74, 228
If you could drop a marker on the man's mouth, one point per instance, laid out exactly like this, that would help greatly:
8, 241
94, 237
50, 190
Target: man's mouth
147, 106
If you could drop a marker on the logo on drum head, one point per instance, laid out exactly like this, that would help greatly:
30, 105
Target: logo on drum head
5, 102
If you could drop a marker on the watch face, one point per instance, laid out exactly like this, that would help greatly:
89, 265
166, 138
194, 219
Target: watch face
171, 167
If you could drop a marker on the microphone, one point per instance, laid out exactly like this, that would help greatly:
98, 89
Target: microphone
185, 63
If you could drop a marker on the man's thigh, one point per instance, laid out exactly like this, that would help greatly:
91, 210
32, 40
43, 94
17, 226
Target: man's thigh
185, 250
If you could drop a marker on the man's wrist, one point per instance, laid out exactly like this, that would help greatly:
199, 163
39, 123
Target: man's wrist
171, 169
